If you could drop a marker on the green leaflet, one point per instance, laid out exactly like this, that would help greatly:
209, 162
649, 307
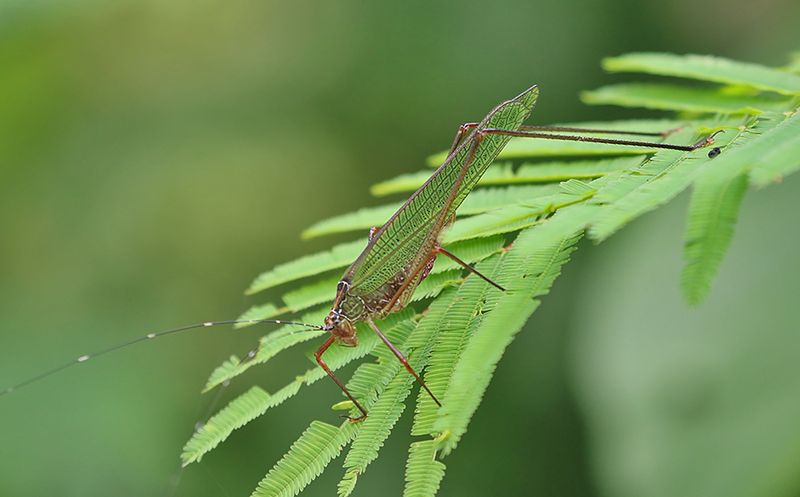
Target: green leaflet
683, 98
423, 472
529, 270
474, 299
383, 415
323, 291
256, 402
712, 215
517, 217
306, 459
767, 148
667, 174
236, 414
781, 157
271, 344
319, 292
339, 256
521, 148
291, 473
472, 251
387, 410
479, 201
707, 68
504, 173
268, 347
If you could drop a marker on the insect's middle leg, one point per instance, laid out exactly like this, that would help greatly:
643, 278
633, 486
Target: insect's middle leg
402, 359
440, 250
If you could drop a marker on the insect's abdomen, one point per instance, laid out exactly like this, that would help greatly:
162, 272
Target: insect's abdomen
393, 295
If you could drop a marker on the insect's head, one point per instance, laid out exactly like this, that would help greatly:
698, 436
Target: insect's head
335, 317
332, 320
337, 322
341, 328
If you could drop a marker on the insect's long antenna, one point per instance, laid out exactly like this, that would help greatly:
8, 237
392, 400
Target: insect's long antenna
150, 336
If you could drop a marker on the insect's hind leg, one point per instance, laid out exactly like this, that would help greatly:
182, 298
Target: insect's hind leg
402, 359
708, 140
324, 366
567, 129
464, 128
440, 250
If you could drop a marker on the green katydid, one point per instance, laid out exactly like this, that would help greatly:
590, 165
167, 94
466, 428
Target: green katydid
401, 253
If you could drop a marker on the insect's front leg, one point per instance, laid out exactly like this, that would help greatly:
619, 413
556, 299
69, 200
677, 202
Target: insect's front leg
324, 366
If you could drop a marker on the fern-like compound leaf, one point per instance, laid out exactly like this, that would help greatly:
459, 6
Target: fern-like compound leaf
337, 257
306, 459
680, 98
479, 201
506, 174
712, 215
529, 270
423, 472
707, 68
238, 413
460, 322
388, 408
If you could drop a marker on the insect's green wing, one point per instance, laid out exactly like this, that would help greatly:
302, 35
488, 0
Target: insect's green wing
405, 242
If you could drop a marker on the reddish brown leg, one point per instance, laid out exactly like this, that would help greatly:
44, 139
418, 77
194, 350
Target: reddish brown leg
318, 356
466, 266
402, 359
662, 134
532, 134
464, 128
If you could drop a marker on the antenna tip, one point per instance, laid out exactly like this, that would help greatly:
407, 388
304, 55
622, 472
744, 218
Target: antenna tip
208, 323
83, 358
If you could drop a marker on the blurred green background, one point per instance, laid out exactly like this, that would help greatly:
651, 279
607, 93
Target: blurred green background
155, 156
